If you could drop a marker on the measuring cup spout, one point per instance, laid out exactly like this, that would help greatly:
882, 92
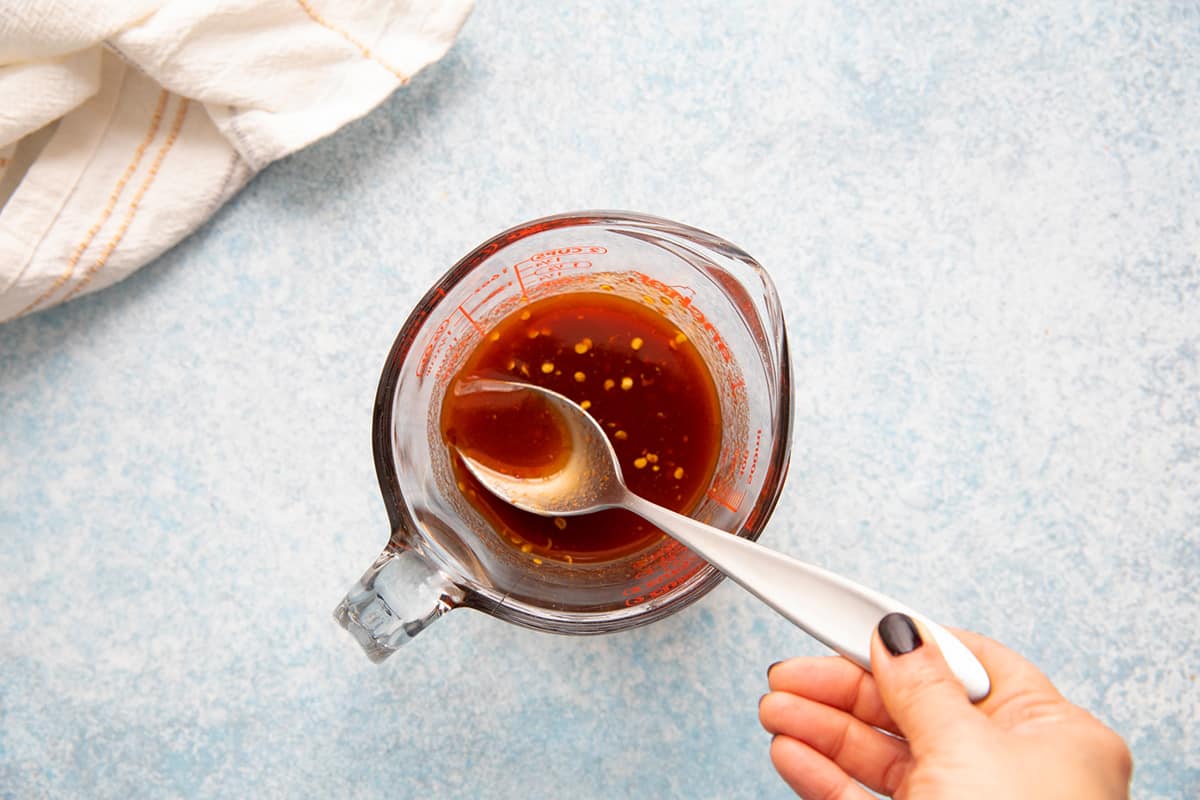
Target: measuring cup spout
394, 600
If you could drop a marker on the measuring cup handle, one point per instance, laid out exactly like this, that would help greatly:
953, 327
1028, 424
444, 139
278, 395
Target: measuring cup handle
394, 600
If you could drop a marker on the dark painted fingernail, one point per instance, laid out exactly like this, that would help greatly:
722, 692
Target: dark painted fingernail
773, 666
899, 634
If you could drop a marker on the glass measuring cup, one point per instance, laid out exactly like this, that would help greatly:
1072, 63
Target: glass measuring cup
443, 555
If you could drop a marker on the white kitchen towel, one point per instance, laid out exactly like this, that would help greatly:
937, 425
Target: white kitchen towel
124, 125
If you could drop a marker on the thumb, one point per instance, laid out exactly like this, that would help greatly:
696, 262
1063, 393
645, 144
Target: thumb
927, 702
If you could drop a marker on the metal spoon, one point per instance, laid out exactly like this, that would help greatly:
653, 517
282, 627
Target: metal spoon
834, 610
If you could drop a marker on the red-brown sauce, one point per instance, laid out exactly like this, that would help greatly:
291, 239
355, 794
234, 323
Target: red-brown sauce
633, 371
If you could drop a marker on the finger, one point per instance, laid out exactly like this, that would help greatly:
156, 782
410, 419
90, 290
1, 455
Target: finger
834, 681
1020, 691
812, 775
921, 693
868, 755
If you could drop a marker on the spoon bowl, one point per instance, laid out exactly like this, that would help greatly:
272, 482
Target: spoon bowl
589, 480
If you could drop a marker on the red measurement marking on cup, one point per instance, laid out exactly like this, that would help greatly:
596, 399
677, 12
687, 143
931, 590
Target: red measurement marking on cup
492, 279
726, 493
733, 476
670, 293
431, 348
558, 253
452, 331
537, 273
455, 331
520, 280
478, 328
660, 572
754, 462
550, 264
471, 317
501, 289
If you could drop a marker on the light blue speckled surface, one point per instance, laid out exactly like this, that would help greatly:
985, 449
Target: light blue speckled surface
985, 225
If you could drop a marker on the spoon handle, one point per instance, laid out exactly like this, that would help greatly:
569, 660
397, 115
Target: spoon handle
834, 610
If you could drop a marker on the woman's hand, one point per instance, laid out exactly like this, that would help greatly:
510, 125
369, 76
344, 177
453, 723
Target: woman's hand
908, 731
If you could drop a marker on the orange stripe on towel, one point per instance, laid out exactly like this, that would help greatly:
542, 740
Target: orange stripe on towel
362, 48
135, 203
77, 253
